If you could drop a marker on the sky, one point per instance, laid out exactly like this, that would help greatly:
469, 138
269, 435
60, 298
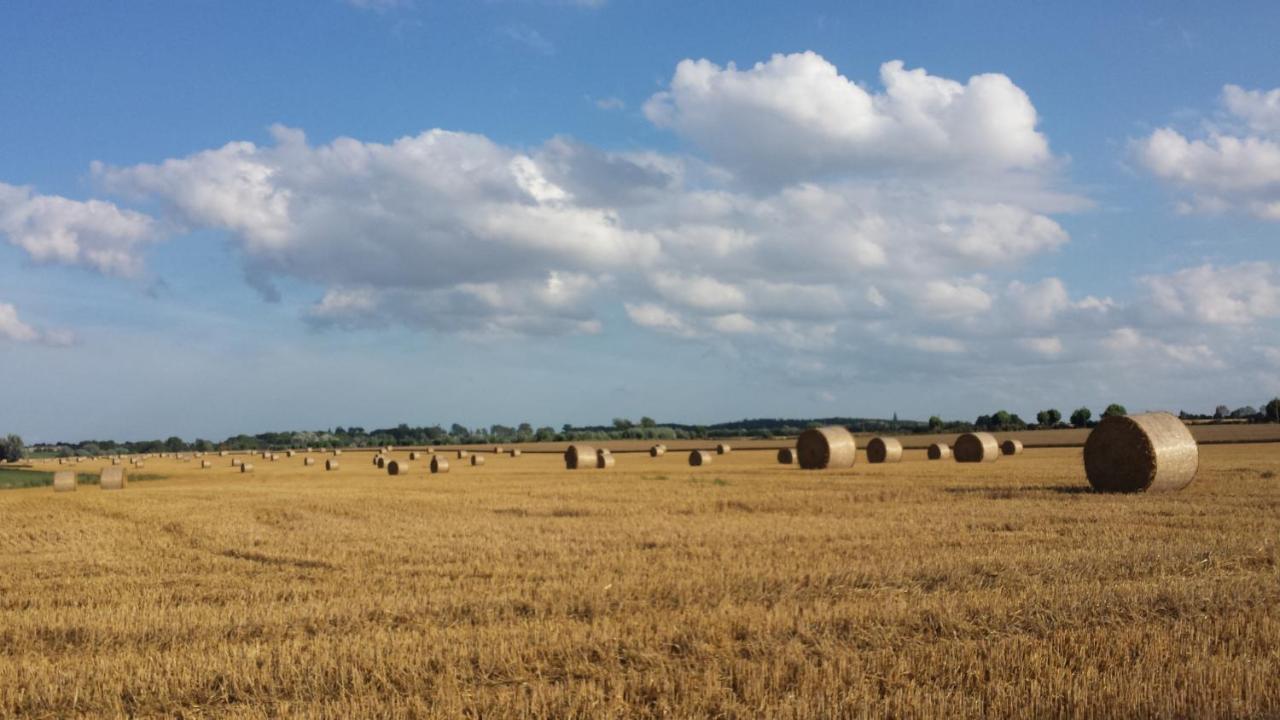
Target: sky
224, 217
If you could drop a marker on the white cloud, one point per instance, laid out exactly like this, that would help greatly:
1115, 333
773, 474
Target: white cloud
1046, 346
656, 317
610, 103
948, 299
13, 328
1229, 295
93, 233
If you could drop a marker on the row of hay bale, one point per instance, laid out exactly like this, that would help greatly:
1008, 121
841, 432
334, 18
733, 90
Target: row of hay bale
111, 478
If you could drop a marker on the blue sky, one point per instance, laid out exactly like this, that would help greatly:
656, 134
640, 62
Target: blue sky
221, 217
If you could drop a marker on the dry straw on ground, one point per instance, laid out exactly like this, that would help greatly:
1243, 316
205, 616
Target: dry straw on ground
1011, 447
976, 447
579, 457
787, 456
1152, 451
64, 481
112, 478
439, 464
884, 449
939, 451
826, 447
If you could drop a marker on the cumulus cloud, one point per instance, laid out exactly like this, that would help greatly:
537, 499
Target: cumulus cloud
1229, 295
13, 328
1236, 167
93, 233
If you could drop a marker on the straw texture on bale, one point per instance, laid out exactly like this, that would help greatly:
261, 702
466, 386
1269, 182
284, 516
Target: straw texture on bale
657, 451
580, 457
605, 461
396, 467
939, 451
246, 467
477, 460
1011, 447
439, 464
700, 457
331, 464
723, 449
884, 450
832, 446
112, 478
308, 461
787, 456
976, 447
1138, 453
64, 481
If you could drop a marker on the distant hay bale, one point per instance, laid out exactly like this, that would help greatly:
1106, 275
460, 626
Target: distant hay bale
884, 450
723, 449
602, 452
657, 451
497, 450
1139, 453
381, 461
787, 456
112, 478
477, 460
414, 455
939, 451
290, 453
205, 464
235, 461
603, 462
976, 447
222, 453
337, 452
463, 454
397, 467
1011, 447
115, 461
246, 467
330, 464
698, 458
140, 465
832, 446
514, 452
308, 461
579, 457
64, 481
439, 464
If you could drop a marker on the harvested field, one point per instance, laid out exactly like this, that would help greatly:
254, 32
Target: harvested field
741, 589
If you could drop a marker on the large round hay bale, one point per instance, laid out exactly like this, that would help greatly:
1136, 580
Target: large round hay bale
657, 451
603, 462
235, 461
976, 447
331, 464
497, 450
1137, 453
700, 457
397, 467
1011, 447
64, 481
579, 457
246, 467
463, 454
939, 451
832, 446
290, 453
603, 452
884, 450
439, 464
222, 453
787, 456
723, 449
477, 460
380, 461
112, 478
515, 452
206, 464
308, 461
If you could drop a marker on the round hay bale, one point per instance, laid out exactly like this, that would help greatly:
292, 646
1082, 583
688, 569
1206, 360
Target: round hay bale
439, 464
939, 451
308, 461
290, 453
337, 452
603, 462
397, 467
832, 446
976, 447
787, 456
115, 461
477, 460
602, 452
698, 458
112, 478
235, 461
884, 450
246, 467
723, 449
64, 481
515, 452
657, 451
414, 455
1139, 453
1011, 447
205, 464
222, 453
140, 465
463, 454
579, 457
381, 462
497, 450
331, 464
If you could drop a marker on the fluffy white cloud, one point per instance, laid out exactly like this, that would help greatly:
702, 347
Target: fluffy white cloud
92, 233
656, 317
13, 328
1229, 295
1225, 169
797, 116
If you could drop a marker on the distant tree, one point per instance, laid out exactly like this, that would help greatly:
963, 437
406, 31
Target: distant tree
647, 422
545, 434
935, 423
458, 431
1220, 412
1114, 410
175, 444
12, 449
1001, 420
1055, 416
1272, 410
1080, 418
1247, 411
622, 424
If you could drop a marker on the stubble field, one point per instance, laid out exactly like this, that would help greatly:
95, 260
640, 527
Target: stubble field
743, 589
